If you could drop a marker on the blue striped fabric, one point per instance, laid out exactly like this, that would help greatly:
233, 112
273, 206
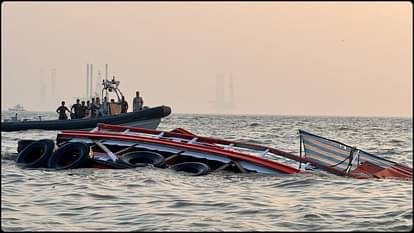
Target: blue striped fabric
364, 156
331, 152
325, 151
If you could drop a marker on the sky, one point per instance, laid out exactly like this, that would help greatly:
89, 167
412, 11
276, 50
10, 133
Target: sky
284, 58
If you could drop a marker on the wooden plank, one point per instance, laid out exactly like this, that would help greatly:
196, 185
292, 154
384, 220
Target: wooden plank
95, 129
223, 167
192, 141
265, 152
242, 170
104, 148
227, 147
126, 149
173, 156
62, 143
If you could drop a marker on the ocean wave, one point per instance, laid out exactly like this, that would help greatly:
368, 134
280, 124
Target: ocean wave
156, 199
9, 156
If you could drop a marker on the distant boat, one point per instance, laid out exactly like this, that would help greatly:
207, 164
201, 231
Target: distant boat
17, 108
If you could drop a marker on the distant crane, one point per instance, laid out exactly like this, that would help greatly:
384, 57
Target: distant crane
53, 86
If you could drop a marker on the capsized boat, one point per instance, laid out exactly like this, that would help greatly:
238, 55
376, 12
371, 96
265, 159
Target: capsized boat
119, 146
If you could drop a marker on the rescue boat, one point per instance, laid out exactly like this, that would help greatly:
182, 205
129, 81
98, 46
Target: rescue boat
148, 117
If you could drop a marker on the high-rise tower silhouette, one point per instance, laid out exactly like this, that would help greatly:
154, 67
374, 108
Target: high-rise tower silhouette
224, 102
53, 87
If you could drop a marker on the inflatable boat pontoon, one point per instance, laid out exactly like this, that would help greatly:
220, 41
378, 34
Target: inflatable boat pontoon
147, 118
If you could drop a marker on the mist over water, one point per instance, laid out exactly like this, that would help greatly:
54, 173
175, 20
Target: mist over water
153, 199
293, 58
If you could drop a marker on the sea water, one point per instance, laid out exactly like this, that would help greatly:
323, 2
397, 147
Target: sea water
153, 199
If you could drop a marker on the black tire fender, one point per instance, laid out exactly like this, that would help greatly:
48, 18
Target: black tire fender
195, 168
36, 154
69, 156
143, 158
21, 144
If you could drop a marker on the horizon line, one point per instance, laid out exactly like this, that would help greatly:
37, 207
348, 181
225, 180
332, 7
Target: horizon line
265, 114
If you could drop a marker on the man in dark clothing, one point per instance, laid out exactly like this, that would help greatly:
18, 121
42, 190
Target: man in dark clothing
82, 110
97, 106
93, 108
124, 105
62, 111
77, 108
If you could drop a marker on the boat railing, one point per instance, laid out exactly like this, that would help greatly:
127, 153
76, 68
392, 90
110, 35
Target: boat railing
245, 150
262, 152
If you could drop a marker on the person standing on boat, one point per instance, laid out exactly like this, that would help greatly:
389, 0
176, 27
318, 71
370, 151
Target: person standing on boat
76, 108
62, 111
82, 110
14, 118
88, 109
124, 105
93, 108
97, 107
138, 102
104, 106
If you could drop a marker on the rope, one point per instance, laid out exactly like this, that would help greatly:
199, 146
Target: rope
348, 169
300, 150
347, 158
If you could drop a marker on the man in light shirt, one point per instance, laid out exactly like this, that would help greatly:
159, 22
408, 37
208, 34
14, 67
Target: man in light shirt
138, 102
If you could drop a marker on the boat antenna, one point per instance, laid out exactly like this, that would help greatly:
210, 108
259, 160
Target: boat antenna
115, 85
91, 80
106, 79
87, 81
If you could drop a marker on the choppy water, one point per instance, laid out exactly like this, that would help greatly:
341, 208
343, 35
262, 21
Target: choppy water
152, 199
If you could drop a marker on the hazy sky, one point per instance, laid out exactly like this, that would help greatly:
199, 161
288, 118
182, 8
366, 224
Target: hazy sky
286, 58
